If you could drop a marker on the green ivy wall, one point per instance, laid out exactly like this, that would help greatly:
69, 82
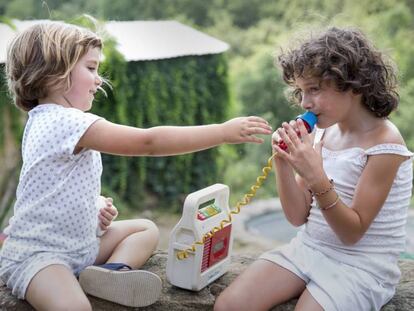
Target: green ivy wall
180, 91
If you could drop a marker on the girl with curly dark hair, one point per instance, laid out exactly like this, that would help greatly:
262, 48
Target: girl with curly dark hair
349, 184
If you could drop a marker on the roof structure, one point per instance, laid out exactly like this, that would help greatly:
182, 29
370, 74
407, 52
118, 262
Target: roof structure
141, 40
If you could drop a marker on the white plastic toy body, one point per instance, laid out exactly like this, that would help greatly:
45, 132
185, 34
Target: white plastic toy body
203, 210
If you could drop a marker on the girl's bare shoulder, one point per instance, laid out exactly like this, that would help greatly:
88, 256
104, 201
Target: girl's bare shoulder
386, 133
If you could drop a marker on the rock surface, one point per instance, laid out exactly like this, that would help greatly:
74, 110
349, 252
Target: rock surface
173, 298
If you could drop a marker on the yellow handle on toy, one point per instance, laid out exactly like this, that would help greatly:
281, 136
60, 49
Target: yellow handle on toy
246, 199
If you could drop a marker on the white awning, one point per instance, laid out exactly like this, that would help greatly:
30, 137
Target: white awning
142, 40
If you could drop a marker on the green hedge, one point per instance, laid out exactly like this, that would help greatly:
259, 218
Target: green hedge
180, 91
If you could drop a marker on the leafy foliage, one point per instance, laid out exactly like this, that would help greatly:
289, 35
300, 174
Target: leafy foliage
255, 29
179, 91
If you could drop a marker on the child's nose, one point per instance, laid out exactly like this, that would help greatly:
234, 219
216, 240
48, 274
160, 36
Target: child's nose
306, 102
98, 80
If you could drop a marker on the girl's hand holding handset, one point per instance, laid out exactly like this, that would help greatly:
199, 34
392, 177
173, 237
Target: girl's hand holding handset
300, 153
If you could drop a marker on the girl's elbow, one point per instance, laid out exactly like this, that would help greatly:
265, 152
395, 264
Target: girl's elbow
145, 142
296, 221
351, 240
144, 147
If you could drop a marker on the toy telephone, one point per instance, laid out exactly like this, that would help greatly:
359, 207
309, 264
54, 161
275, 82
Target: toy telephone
202, 211
201, 242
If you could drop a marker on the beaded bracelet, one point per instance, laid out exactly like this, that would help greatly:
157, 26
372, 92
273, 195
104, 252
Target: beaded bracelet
330, 205
321, 193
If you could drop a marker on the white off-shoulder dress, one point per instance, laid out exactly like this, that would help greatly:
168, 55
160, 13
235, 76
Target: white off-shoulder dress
362, 276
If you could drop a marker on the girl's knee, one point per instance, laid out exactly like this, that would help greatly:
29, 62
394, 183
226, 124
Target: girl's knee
155, 234
152, 233
151, 227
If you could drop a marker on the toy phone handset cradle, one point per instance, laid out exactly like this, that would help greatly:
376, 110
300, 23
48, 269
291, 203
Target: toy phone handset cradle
201, 242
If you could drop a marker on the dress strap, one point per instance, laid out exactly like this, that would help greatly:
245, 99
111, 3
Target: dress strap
389, 148
318, 135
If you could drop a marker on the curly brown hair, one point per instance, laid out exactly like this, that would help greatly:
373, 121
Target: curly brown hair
40, 59
346, 57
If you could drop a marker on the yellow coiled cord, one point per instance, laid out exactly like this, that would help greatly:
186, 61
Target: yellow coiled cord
246, 199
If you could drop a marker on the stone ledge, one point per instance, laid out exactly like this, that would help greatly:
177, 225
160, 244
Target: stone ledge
173, 298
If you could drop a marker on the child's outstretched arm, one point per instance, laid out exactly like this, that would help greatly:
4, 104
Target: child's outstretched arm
112, 138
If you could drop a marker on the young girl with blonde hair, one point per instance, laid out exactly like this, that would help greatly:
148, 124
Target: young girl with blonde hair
56, 231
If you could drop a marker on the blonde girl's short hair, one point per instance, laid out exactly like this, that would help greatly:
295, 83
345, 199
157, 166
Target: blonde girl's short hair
40, 59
